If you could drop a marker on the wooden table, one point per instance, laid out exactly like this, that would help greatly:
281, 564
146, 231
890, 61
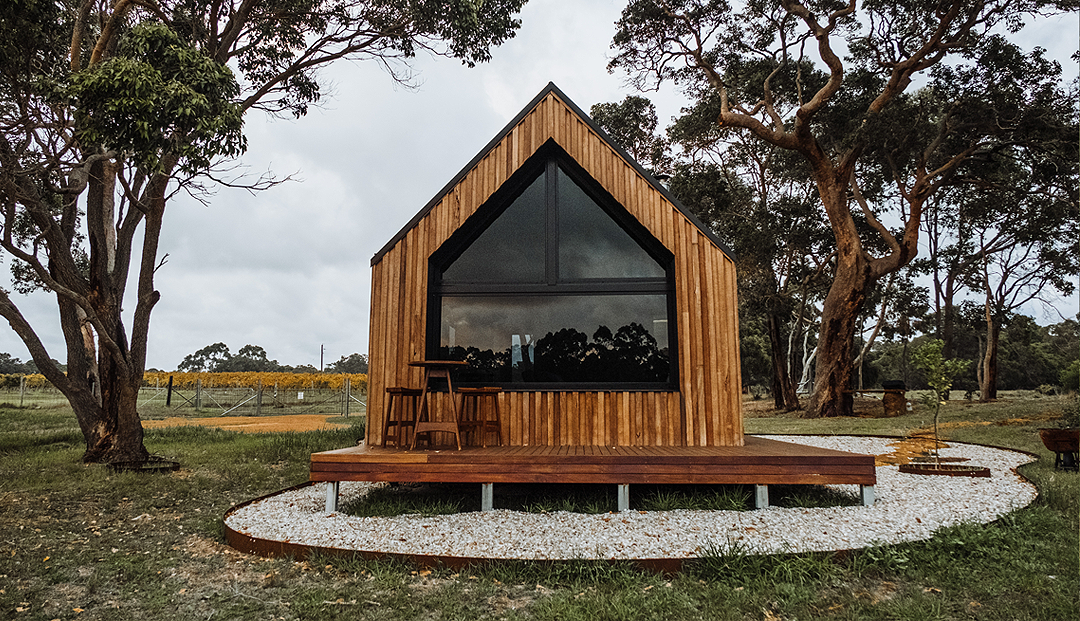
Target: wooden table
435, 369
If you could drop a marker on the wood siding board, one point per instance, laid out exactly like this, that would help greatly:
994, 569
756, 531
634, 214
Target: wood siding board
671, 416
713, 336
410, 329
685, 332
735, 385
640, 403
376, 356
564, 405
657, 411
394, 293
698, 339
725, 366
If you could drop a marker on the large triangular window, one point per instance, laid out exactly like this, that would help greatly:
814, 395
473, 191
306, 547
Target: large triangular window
553, 283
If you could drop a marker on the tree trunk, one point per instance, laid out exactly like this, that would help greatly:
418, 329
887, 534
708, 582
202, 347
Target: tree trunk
103, 374
784, 395
839, 314
988, 381
948, 323
832, 395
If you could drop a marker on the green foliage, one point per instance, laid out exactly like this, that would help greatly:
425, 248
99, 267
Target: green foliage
14, 366
106, 106
281, 36
217, 358
632, 125
1070, 376
353, 363
160, 95
939, 376
891, 97
940, 372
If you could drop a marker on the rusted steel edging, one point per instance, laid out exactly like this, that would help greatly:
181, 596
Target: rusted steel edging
275, 549
269, 548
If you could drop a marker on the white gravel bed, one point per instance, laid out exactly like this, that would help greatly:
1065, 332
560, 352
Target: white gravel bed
908, 508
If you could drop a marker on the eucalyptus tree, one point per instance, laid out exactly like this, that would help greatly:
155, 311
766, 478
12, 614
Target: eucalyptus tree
632, 124
744, 192
875, 146
108, 107
758, 198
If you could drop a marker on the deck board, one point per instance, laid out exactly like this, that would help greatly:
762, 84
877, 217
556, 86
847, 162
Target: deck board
758, 461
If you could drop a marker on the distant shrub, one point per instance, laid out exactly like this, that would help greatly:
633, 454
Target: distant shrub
1070, 376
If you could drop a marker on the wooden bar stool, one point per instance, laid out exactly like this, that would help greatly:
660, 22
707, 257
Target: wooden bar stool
474, 416
425, 420
408, 404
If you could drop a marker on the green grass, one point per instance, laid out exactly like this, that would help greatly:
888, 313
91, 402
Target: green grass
81, 542
444, 498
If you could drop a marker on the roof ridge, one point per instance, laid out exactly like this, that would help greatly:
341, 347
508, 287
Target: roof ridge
551, 89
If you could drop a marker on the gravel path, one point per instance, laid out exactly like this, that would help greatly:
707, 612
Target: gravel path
908, 508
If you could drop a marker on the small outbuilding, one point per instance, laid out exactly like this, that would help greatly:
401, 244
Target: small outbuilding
568, 276
556, 272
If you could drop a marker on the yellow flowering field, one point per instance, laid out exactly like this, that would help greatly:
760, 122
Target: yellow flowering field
251, 379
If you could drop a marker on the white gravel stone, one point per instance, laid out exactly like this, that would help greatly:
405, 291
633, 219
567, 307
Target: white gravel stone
908, 507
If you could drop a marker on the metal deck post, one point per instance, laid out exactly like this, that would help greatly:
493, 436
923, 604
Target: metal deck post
867, 494
761, 496
487, 496
332, 489
624, 497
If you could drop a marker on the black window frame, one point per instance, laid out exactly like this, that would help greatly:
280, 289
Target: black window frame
548, 157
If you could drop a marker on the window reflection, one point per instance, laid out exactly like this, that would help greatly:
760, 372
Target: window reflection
512, 248
553, 290
591, 244
557, 339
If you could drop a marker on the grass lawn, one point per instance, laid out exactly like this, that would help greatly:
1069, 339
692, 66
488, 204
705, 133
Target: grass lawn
81, 542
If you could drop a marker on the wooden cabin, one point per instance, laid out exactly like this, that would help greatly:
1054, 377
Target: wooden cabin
567, 275
555, 268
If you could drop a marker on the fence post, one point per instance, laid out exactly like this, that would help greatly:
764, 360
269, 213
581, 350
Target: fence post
258, 399
168, 395
22, 389
198, 394
348, 391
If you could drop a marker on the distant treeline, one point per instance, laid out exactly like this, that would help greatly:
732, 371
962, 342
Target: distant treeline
14, 366
217, 358
1031, 357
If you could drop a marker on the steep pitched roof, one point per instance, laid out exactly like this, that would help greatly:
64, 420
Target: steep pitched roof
548, 90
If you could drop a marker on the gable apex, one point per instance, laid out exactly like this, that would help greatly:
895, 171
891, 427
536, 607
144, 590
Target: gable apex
548, 91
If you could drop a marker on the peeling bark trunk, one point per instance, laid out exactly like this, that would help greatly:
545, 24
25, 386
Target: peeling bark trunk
832, 395
104, 372
988, 379
853, 278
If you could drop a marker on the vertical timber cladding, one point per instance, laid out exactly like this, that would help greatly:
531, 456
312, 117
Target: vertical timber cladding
705, 410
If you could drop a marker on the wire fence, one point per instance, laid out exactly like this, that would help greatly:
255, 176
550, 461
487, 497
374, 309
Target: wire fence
161, 402
243, 401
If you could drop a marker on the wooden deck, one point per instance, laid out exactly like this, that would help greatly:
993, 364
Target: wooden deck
759, 462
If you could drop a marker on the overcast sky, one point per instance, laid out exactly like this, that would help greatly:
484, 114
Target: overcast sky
289, 268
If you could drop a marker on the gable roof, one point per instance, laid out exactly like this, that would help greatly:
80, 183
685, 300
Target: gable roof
548, 90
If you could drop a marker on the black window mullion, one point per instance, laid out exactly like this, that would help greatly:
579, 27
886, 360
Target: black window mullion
551, 196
